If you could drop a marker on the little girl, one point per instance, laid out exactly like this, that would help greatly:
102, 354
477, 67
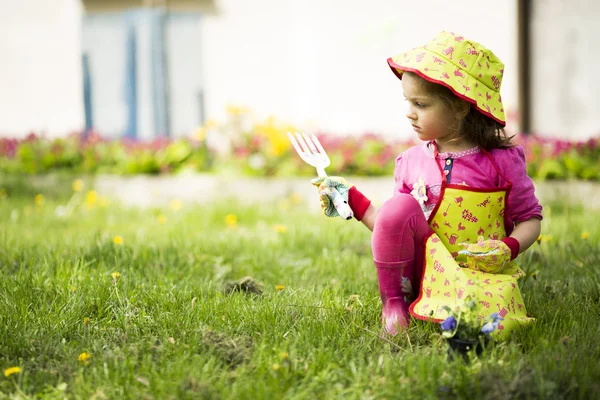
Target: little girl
463, 206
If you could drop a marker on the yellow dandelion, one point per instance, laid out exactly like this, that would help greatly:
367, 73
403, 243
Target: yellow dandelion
279, 288
284, 355
11, 371
546, 238
175, 205
585, 235
91, 198
84, 358
78, 185
276, 367
161, 219
230, 220
116, 276
73, 289
280, 228
86, 321
118, 240
39, 200
539, 239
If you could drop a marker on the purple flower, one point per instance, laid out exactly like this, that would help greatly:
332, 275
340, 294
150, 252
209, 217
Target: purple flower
495, 317
492, 324
489, 327
449, 324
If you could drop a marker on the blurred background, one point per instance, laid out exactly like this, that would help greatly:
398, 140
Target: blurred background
129, 87
163, 68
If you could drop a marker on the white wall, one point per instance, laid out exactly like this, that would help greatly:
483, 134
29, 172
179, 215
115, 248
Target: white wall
324, 61
316, 63
565, 58
40, 67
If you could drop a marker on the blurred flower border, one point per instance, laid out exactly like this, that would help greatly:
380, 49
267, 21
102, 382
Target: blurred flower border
241, 146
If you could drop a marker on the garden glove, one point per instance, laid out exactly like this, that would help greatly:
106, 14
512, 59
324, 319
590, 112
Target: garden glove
326, 185
488, 255
356, 200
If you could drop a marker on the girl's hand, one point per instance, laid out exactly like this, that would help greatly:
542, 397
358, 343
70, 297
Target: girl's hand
485, 255
326, 185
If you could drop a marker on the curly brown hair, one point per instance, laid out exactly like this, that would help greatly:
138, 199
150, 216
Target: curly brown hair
477, 127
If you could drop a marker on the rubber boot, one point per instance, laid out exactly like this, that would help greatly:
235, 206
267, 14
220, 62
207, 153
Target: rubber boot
395, 288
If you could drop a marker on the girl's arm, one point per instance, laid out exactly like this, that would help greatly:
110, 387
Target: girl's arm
526, 232
369, 218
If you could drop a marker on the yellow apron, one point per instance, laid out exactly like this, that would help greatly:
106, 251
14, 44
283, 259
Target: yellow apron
461, 215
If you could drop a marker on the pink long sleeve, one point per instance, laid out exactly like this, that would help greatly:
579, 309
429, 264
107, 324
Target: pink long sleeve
522, 202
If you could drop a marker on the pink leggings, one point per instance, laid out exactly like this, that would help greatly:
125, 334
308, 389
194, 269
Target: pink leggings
398, 234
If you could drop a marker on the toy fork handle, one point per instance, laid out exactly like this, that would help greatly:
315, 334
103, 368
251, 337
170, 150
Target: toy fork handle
341, 205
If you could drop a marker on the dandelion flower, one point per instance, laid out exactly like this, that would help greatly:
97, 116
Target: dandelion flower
546, 238
73, 289
116, 276
39, 200
86, 321
161, 219
585, 235
280, 228
118, 240
284, 355
279, 288
230, 220
276, 367
91, 198
78, 185
84, 358
11, 371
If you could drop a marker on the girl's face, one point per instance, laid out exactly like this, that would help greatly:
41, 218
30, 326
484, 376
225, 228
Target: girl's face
430, 117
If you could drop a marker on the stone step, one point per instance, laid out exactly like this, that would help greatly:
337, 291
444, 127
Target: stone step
153, 191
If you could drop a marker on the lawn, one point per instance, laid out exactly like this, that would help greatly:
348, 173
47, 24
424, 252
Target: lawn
100, 301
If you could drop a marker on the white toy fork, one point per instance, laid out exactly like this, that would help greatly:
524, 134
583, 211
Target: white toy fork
310, 150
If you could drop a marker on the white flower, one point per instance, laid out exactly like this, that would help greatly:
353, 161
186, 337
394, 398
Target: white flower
419, 191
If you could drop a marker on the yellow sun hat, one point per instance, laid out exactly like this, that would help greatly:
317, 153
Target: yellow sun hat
470, 70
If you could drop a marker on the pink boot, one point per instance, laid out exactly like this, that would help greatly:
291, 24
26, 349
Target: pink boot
395, 288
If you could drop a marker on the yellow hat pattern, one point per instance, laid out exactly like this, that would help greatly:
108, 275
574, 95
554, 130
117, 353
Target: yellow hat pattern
470, 70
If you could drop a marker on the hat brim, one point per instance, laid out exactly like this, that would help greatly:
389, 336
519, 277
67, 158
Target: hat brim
479, 96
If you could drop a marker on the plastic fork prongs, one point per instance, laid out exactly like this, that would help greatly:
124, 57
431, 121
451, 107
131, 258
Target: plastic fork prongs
310, 150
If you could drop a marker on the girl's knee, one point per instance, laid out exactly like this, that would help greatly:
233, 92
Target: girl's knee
397, 210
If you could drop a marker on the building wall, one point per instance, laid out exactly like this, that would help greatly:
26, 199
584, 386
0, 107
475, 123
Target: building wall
565, 78
40, 72
323, 63
314, 63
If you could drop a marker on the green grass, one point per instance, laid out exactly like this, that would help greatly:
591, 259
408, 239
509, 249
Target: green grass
167, 328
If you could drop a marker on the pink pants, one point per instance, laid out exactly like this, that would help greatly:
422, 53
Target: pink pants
398, 235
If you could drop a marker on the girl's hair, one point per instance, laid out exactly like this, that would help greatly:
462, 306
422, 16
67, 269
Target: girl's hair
479, 128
